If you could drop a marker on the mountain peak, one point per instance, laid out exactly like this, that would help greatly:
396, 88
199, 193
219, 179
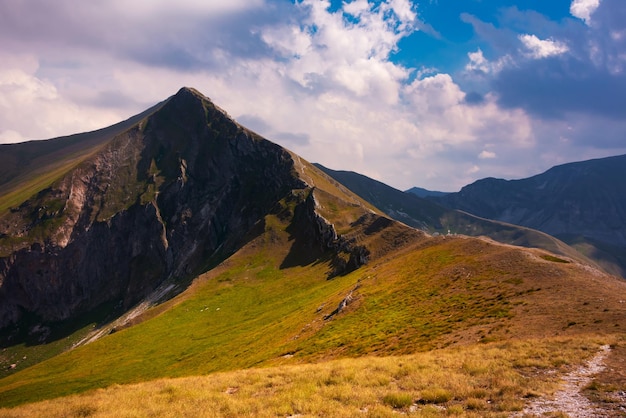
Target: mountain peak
160, 199
186, 91
186, 96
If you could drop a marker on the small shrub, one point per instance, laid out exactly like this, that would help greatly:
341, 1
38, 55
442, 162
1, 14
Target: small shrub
474, 404
554, 259
85, 411
456, 410
436, 395
398, 400
478, 393
510, 405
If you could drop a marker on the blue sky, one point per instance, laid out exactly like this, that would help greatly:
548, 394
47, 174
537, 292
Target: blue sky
433, 93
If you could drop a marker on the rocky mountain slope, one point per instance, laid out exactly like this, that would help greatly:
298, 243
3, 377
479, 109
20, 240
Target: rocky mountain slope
155, 199
583, 204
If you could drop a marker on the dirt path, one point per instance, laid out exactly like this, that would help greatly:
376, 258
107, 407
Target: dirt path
569, 399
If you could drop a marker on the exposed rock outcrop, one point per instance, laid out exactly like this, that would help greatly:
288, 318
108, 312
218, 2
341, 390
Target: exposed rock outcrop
174, 192
321, 235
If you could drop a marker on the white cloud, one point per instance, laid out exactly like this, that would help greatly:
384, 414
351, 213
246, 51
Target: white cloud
473, 169
486, 155
334, 96
583, 9
477, 62
345, 50
33, 108
542, 48
145, 8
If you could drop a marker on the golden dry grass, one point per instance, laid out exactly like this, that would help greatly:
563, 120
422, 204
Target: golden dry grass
422, 294
489, 380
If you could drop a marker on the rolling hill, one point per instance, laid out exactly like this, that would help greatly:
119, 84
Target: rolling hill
212, 272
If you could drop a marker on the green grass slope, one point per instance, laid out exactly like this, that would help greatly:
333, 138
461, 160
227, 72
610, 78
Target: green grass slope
415, 294
464, 324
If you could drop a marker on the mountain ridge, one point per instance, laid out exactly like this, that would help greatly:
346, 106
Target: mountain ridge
581, 203
426, 214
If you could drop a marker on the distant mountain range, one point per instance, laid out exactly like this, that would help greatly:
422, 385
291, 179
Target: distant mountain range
429, 215
582, 204
418, 191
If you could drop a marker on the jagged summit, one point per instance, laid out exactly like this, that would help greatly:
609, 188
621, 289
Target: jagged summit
192, 91
165, 198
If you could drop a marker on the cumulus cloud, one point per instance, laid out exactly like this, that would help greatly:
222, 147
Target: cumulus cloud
569, 70
477, 62
583, 9
484, 154
542, 48
34, 109
568, 77
347, 49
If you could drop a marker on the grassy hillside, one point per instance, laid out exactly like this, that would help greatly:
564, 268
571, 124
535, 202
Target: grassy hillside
434, 326
581, 203
427, 215
426, 294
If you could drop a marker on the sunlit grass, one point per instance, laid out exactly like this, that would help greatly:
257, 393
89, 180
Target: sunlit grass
249, 312
481, 380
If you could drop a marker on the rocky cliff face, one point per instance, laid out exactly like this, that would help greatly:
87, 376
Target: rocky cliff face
155, 202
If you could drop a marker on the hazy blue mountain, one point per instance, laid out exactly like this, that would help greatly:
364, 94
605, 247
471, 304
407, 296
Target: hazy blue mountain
420, 192
434, 218
582, 203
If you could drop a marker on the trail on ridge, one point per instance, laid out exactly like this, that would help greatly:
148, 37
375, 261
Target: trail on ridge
569, 399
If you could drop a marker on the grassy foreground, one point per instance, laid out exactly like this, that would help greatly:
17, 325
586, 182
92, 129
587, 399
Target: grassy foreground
264, 332
481, 380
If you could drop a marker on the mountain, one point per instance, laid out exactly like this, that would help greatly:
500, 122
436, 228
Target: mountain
184, 264
432, 217
118, 212
420, 192
583, 204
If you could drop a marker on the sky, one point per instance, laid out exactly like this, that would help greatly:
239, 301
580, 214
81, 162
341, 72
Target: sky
428, 93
